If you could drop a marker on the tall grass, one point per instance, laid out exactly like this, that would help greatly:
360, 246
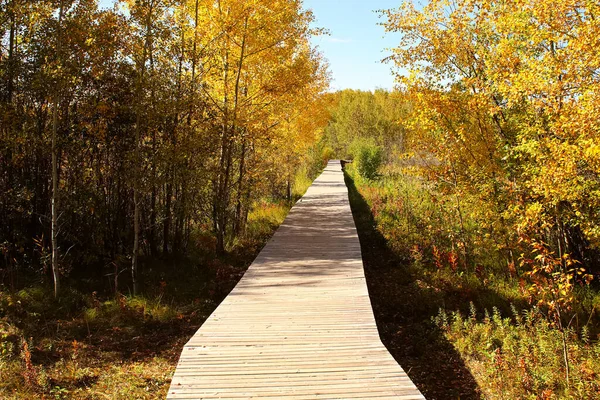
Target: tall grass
510, 346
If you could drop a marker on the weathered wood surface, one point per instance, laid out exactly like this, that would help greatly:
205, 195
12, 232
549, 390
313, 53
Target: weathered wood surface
299, 325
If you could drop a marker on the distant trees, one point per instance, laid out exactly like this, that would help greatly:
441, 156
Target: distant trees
144, 122
359, 116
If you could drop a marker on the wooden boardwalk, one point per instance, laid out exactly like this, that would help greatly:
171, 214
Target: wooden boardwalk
299, 325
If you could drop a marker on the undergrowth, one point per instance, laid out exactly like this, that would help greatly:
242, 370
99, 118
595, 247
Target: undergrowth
510, 346
91, 345
85, 347
521, 355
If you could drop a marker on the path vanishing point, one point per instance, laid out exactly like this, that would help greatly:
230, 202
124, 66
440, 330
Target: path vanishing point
299, 324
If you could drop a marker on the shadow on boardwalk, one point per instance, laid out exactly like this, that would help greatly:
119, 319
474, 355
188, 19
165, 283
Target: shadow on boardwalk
403, 315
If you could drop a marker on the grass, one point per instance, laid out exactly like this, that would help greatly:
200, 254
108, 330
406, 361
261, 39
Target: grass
463, 332
81, 347
104, 346
403, 305
521, 356
302, 182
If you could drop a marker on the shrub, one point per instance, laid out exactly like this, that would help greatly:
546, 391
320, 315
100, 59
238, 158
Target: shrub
327, 154
368, 160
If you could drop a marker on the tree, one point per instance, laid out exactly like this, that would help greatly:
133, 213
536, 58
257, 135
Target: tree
254, 52
154, 114
502, 106
55, 166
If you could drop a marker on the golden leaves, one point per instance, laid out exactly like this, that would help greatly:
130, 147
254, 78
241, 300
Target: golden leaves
506, 97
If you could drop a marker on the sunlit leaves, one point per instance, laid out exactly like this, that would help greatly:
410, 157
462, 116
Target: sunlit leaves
505, 98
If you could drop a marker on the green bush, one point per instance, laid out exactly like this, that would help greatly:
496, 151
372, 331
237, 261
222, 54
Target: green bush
368, 160
327, 154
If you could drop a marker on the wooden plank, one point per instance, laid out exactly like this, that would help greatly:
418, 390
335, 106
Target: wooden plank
299, 324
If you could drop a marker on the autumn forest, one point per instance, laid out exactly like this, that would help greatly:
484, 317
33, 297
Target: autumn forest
149, 150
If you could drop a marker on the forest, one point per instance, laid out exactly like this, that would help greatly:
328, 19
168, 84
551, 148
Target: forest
124, 127
149, 150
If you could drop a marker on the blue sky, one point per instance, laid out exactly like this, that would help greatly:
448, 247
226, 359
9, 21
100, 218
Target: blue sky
356, 44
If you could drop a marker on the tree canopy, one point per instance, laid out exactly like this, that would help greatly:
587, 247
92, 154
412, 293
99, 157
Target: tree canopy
163, 117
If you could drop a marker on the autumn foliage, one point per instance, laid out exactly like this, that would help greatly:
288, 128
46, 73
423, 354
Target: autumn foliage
165, 119
492, 196
505, 98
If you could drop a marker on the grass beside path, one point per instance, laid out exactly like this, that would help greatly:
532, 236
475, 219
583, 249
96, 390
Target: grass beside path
403, 314
464, 333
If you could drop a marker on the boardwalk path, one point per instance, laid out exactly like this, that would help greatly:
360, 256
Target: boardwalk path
299, 325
